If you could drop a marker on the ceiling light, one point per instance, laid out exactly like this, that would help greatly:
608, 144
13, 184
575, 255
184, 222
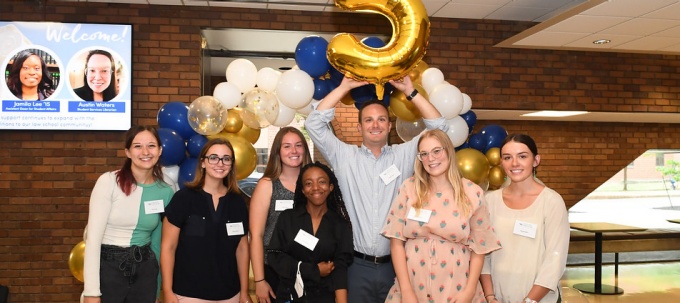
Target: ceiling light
554, 113
601, 41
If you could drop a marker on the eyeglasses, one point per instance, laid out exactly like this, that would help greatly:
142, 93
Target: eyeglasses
214, 159
435, 153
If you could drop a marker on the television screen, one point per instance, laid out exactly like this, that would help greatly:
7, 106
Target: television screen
65, 76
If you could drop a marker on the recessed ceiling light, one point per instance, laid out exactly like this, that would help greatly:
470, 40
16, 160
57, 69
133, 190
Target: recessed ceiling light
601, 41
554, 113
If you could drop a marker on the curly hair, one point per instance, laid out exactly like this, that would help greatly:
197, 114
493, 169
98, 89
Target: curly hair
334, 200
45, 87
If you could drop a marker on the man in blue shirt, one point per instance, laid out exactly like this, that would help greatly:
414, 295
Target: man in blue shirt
369, 177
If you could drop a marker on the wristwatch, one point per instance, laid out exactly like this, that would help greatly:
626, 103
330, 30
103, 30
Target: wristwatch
529, 300
412, 95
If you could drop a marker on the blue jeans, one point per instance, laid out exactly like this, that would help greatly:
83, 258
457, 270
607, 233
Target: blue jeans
128, 275
369, 282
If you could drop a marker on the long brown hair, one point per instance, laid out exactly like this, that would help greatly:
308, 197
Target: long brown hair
274, 167
422, 178
126, 181
199, 178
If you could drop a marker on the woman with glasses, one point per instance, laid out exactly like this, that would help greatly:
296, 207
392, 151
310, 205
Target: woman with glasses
273, 194
439, 229
204, 251
100, 77
531, 221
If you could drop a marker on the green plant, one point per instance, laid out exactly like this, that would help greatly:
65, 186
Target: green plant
671, 170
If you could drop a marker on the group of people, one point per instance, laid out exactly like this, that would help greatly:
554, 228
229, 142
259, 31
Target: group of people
388, 223
30, 79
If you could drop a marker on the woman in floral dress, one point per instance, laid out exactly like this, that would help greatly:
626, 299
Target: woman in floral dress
439, 229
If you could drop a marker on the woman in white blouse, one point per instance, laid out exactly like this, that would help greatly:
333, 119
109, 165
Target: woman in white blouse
531, 223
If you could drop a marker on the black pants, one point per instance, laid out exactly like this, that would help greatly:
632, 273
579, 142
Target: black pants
128, 275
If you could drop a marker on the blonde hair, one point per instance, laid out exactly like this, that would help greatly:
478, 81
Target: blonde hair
422, 178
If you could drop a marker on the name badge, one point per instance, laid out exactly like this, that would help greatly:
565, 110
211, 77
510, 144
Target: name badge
307, 240
422, 216
235, 229
282, 205
525, 229
154, 207
390, 174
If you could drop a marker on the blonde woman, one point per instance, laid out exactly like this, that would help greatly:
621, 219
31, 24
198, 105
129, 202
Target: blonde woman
439, 229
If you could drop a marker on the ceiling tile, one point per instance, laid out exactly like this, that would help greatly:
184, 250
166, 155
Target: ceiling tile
641, 27
166, 2
671, 32
673, 48
550, 39
649, 43
587, 42
668, 12
551, 4
586, 24
627, 8
518, 13
433, 6
261, 5
465, 11
294, 7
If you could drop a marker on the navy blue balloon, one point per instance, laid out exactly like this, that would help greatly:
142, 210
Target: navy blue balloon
174, 150
464, 145
321, 88
470, 118
336, 76
367, 92
493, 136
187, 171
310, 56
477, 142
173, 115
195, 144
373, 42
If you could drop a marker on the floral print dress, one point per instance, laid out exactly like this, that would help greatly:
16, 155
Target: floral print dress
438, 252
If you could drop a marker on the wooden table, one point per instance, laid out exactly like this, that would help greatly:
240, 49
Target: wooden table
674, 221
598, 228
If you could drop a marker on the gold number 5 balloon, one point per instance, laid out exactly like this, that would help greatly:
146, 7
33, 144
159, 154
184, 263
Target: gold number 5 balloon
410, 34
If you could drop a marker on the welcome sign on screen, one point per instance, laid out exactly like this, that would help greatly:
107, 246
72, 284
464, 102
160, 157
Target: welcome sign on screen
65, 76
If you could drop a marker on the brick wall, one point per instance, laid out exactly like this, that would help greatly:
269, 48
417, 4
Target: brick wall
46, 176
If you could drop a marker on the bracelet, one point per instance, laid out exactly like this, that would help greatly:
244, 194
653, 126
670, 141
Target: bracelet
260, 280
491, 295
412, 95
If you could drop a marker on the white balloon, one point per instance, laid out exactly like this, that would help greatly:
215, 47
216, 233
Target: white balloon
305, 111
171, 176
447, 99
243, 74
286, 115
228, 94
295, 88
467, 104
267, 78
431, 78
458, 130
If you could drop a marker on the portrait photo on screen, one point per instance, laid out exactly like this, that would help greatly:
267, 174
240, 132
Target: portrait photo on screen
96, 74
32, 74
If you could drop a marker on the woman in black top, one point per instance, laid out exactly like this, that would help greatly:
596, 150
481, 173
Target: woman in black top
315, 239
204, 247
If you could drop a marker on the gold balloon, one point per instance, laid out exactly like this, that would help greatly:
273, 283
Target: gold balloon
245, 154
494, 156
234, 121
250, 134
248, 117
410, 35
403, 108
473, 165
76, 261
496, 177
417, 72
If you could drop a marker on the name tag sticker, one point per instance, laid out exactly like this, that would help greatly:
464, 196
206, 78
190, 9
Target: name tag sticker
423, 215
390, 174
235, 229
154, 207
525, 229
306, 239
282, 205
